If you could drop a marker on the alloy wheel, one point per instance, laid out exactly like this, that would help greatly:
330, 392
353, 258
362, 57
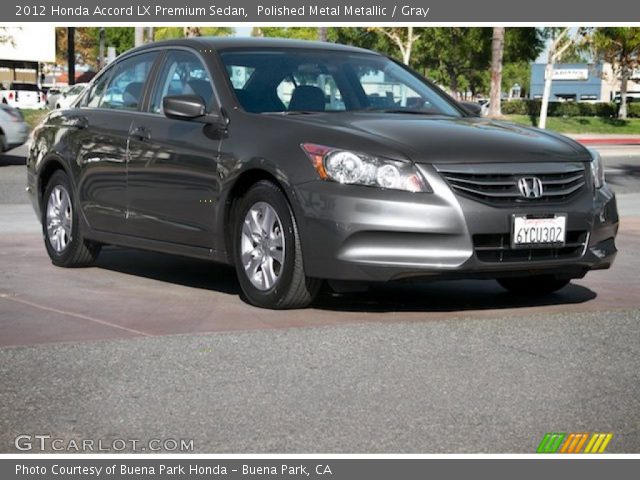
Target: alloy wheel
59, 218
262, 246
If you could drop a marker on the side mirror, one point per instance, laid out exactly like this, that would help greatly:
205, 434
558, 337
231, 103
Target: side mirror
473, 108
190, 107
184, 107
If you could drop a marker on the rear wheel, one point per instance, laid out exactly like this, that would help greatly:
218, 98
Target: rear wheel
267, 251
62, 236
534, 285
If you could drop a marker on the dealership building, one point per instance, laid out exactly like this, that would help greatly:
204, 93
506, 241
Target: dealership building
23, 50
581, 82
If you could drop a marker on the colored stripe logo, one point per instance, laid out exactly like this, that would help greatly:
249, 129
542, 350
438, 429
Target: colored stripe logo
574, 443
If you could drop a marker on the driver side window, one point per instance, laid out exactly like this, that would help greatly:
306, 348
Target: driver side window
182, 74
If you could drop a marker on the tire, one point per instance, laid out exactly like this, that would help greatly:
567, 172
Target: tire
269, 264
68, 249
534, 285
3, 143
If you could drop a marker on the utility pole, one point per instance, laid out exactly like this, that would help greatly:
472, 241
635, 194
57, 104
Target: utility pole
71, 55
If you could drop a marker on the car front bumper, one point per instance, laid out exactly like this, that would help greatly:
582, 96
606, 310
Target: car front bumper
365, 234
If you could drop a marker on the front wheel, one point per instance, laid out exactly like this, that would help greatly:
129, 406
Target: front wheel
267, 251
534, 285
62, 236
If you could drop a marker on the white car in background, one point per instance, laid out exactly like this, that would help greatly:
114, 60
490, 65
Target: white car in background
69, 95
52, 96
23, 95
13, 129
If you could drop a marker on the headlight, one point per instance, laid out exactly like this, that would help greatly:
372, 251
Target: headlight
355, 168
597, 169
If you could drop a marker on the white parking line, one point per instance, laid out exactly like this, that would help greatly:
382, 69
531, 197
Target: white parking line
73, 314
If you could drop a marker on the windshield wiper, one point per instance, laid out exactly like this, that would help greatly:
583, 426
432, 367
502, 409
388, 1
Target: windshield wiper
411, 111
294, 112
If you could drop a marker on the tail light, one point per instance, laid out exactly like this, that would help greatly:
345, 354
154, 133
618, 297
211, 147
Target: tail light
10, 95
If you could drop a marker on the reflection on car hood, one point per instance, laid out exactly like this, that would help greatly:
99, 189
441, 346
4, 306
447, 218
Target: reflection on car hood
433, 139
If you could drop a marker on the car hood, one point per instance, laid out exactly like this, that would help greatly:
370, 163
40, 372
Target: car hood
439, 139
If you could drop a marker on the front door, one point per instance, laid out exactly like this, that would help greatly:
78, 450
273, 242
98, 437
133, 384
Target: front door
172, 175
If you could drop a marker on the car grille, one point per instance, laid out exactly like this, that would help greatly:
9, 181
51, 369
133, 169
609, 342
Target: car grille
496, 248
491, 185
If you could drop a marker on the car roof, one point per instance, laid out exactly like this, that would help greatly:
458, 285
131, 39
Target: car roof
224, 43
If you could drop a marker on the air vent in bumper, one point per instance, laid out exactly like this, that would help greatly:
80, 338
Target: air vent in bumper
496, 248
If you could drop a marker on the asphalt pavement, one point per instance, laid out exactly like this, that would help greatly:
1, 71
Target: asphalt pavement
146, 345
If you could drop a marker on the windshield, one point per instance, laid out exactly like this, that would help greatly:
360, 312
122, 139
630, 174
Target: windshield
296, 80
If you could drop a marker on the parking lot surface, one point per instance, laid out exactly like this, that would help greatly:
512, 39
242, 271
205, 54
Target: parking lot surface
146, 345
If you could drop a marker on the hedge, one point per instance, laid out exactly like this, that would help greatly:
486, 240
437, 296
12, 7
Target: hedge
633, 110
564, 109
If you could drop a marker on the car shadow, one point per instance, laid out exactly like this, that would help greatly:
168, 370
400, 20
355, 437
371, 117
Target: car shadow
10, 159
441, 296
167, 268
446, 296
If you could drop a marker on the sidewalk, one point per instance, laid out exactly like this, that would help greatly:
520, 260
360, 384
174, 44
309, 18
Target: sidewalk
605, 139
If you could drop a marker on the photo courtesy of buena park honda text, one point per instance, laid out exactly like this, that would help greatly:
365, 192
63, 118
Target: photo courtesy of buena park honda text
319, 239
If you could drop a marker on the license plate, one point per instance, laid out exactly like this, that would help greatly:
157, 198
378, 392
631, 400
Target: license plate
538, 231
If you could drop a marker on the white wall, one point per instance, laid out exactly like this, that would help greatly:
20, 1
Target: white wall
31, 43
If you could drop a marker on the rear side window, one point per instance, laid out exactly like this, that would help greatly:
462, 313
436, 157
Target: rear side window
182, 74
126, 86
24, 87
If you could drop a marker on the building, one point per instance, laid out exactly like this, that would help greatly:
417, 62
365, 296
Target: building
23, 51
581, 82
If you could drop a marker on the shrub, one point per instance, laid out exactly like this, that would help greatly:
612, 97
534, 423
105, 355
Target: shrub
633, 110
514, 107
562, 109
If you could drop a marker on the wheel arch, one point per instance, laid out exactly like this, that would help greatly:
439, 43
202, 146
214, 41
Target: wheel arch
241, 185
50, 165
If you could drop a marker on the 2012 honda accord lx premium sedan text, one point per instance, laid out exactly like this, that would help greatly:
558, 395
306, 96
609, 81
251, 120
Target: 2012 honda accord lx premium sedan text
298, 162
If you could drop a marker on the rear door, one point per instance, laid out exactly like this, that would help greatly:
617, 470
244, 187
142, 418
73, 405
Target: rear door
104, 119
173, 179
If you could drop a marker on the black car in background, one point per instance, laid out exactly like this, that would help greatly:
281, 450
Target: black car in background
299, 162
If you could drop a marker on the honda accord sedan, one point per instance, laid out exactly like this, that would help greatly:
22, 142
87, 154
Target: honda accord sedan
299, 162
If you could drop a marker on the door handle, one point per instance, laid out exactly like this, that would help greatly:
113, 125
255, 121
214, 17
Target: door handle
141, 133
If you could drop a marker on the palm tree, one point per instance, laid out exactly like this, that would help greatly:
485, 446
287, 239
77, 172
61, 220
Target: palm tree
497, 52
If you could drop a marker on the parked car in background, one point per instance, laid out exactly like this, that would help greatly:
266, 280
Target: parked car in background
14, 131
52, 96
23, 95
298, 162
69, 95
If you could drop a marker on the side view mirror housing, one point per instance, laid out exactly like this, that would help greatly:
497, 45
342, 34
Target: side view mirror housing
473, 108
189, 107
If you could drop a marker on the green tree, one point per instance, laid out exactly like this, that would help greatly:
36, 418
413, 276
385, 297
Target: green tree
517, 72
85, 45
167, 33
119, 37
620, 46
302, 33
